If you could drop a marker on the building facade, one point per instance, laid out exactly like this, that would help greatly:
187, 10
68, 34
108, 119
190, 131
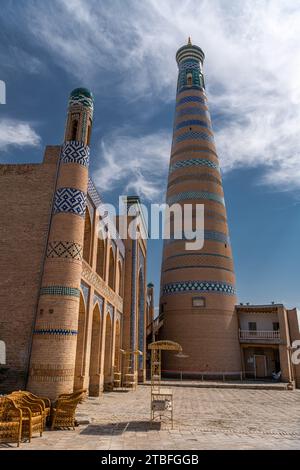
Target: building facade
198, 286
64, 292
135, 305
266, 335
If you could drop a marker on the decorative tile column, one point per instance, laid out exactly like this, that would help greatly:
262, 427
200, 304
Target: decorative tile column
53, 353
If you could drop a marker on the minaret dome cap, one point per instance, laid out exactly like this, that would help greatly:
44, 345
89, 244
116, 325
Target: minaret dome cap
81, 91
189, 51
83, 97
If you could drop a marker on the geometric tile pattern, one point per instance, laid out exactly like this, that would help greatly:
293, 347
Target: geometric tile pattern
97, 201
82, 99
64, 249
60, 290
195, 195
55, 331
93, 193
191, 99
193, 110
189, 65
199, 286
193, 162
75, 152
195, 177
193, 122
194, 135
69, 200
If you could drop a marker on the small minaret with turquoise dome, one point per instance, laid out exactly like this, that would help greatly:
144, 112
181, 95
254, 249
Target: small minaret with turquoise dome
52, 365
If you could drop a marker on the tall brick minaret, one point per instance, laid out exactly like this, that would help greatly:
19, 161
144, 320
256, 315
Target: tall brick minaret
53, 352
198, 286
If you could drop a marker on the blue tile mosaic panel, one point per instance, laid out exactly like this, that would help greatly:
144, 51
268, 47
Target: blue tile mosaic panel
193, 122
195, 136
55, 331
193, 162
214, 287
82, 100
191, 99
60, 290
69, 200
75, 152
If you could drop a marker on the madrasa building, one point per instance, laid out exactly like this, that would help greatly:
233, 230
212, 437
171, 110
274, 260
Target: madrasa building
72, 299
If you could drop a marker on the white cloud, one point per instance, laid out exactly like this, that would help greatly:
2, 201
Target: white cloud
134, 164
17, 58
252, 66
17, 133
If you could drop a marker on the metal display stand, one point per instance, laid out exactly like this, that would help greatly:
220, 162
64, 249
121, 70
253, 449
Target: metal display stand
161, 397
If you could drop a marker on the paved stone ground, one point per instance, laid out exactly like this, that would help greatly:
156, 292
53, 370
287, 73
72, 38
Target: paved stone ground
203, 419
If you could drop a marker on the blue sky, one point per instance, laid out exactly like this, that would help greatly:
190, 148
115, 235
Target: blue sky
124, 51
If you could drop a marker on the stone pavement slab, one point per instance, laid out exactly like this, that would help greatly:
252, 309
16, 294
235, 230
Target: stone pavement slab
204, 418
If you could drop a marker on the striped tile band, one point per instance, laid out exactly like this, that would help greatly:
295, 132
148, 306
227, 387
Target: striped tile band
195, 195
193, 162
60, 290
195, 136
191, 99
55, 331
193, 122
213, 287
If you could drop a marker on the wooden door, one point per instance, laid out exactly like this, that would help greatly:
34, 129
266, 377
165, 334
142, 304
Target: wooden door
260, 366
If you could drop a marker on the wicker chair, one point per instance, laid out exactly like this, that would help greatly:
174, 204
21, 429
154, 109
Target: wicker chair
63, 412
78, 393
10, 421
43, 401
32, 415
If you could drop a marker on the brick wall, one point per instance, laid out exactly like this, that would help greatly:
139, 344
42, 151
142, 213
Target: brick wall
25, 199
